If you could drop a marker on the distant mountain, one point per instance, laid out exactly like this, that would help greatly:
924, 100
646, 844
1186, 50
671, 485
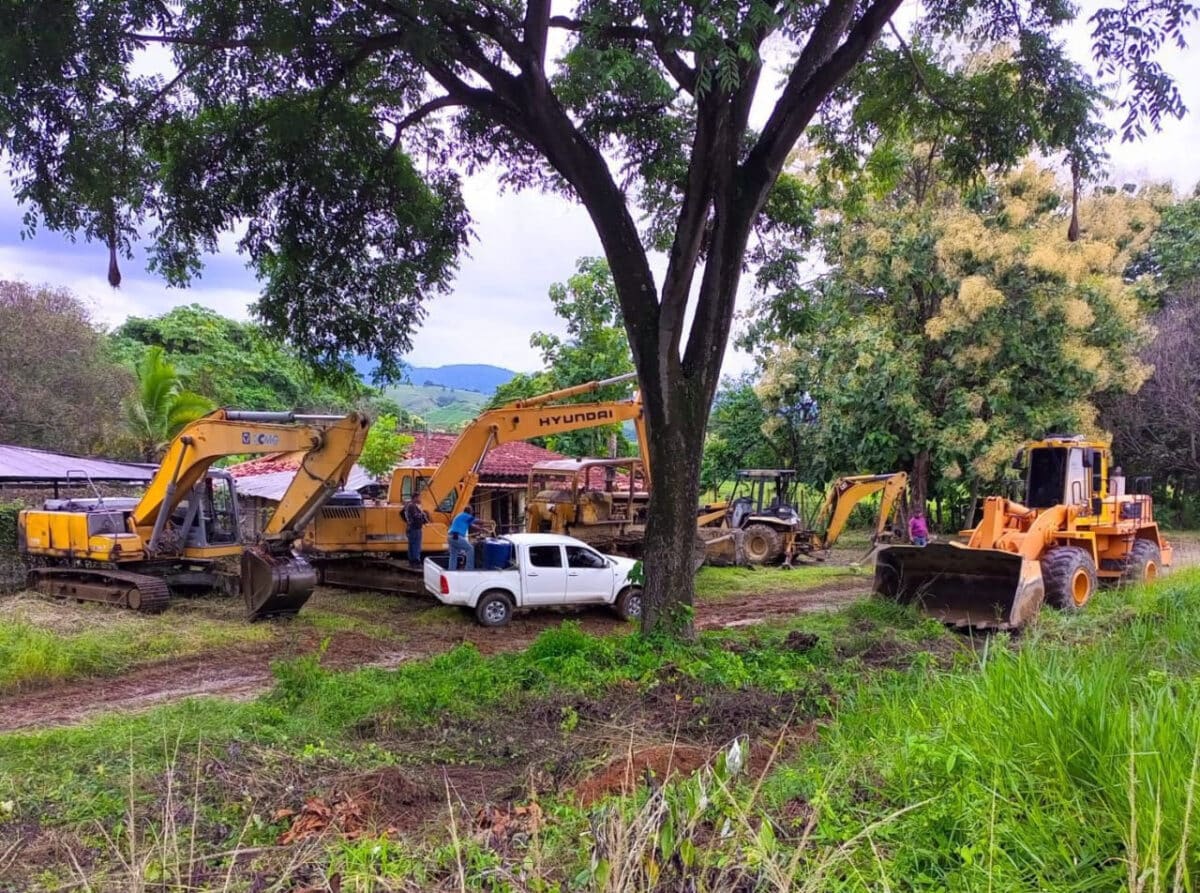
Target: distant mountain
461, 376
442, 408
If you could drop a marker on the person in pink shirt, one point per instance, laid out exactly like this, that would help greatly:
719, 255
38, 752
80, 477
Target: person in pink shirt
918, 530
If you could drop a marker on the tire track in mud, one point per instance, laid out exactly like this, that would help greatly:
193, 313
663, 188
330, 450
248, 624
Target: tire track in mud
245, 674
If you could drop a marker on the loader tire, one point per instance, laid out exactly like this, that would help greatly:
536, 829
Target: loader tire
762, 544
1145, 562
1069, 575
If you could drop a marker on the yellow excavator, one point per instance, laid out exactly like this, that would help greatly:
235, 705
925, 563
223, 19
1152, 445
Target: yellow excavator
131, 552
1075, 525
358, 544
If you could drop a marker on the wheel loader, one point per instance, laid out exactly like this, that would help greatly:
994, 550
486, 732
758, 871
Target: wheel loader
1076, 525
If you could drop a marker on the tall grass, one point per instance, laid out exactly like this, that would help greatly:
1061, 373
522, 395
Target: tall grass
1064, 763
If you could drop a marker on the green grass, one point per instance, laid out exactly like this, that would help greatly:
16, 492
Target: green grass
1065, 763
1063, 760
718, 582
43, 642
442, 408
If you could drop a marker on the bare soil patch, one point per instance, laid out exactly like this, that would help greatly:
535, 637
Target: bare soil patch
421, 631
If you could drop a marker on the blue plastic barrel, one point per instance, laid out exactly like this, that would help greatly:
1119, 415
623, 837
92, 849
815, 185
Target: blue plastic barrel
496, 553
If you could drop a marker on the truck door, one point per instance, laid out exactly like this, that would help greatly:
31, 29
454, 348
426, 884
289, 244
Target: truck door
589, 578
545, 577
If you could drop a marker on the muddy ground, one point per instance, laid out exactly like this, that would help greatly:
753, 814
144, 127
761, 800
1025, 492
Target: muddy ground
427, 630
395, 629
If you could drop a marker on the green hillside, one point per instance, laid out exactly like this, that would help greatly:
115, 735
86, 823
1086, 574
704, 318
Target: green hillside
443, 408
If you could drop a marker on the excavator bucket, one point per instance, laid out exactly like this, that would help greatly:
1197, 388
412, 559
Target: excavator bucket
960, 586
275, 585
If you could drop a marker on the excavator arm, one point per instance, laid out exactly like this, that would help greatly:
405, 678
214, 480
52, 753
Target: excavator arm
846, 493
331, 444
524, 420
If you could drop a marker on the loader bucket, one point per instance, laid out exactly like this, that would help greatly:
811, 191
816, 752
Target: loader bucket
960, 586
275, 585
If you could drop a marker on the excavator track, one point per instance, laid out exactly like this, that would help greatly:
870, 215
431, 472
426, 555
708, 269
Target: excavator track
123, 589
379, 575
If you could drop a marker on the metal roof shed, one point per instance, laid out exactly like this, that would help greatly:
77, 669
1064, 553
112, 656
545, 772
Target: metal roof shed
22, 466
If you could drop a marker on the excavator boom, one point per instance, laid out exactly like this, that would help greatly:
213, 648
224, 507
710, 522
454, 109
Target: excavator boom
848, 492
525, 420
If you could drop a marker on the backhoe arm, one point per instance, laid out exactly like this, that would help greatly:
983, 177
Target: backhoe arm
848, 492
230, 433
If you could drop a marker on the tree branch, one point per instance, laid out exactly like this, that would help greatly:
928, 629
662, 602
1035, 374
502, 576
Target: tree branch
819, 69
537, 25
657, 38
419, 114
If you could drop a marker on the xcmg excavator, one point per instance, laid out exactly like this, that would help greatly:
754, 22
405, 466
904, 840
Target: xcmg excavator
357, 544
130, 552
1075, 525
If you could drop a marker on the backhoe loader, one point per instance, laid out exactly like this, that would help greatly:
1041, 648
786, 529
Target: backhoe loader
773, 525
1076, 525
357, 544
185, 528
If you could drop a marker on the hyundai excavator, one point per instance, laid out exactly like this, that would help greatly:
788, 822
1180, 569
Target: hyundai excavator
1075, 525
357, 544
130, 552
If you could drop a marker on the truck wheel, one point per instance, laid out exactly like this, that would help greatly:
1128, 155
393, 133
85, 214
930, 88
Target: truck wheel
629, 603
762, 544
1069, 575
494, 609
1145, 561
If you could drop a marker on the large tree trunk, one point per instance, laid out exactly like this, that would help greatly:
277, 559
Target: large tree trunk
675, 458
920, 481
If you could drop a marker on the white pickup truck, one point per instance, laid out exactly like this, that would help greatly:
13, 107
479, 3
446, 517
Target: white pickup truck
535, 570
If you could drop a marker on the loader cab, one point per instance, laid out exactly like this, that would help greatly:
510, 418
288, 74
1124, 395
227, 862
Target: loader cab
763, 492
1064, 470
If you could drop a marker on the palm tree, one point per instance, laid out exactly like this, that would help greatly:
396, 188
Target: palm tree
161, 407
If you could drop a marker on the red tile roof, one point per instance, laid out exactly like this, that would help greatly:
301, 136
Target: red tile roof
509, 461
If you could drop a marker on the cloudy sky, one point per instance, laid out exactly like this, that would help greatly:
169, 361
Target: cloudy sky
524, 242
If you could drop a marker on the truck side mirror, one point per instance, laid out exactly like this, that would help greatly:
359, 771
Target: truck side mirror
1019, 460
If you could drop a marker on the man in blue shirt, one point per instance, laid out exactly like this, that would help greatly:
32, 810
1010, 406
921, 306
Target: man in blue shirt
460, 542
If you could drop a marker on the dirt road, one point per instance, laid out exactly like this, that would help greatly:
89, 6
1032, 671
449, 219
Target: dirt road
245, 672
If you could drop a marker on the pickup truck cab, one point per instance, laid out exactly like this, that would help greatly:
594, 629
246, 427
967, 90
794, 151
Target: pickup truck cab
535, 570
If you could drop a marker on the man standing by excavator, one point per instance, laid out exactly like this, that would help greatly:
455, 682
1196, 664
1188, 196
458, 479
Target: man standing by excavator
460, 540
415, 518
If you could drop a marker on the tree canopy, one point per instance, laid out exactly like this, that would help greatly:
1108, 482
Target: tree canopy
234, 363
58, 386
337, 130
953, 326
160, 406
